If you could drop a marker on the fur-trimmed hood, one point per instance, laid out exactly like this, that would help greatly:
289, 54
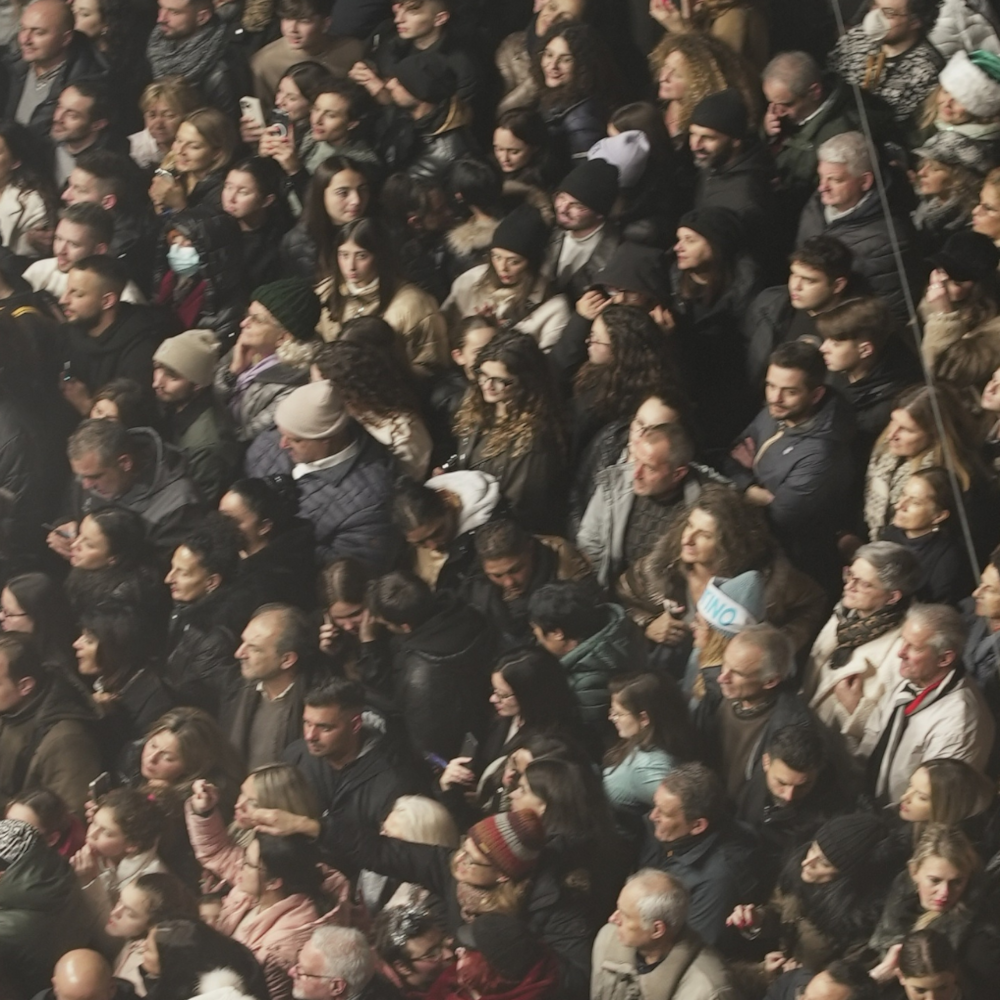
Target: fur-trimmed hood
471, 236
222, 984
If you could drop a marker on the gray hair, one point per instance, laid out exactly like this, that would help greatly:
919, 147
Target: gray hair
676, 438
946, 624
346, 955
776, 655
895, 565
848, 148
798, 71
663, 898
107, 439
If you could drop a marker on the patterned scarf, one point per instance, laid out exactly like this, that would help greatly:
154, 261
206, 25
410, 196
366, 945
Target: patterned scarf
191, 57
853, 631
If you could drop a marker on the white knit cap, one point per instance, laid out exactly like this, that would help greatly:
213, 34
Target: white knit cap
971, 86
191, 354
628, 151
312, 412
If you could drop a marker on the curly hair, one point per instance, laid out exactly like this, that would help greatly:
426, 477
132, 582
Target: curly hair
641, 365
532, 411
591, 68
367, 378
712, 66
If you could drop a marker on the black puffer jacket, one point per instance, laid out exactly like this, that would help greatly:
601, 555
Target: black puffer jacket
743, 186
575, 129
43, 914
426, 149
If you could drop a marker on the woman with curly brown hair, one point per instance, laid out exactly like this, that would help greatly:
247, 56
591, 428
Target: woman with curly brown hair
379, 394
509, 425
741, 25
628, 359
720, 536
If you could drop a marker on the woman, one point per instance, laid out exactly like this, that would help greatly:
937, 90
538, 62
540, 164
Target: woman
511, 287
910, 442
111, 560
164, 105
571, 72
923, 522
193, 172
27, 205
277, 549
475, 189
381, 398
364, 283
949, 177
928, 968
991, 415
343, 585
510, 427
628, 359
855, 659
336, 128
520, 150
986, 215
739, 24
34, 604
50, 816
124, 400
338, 194
942, 888
150, 899
114, 653
718, 535
251, 195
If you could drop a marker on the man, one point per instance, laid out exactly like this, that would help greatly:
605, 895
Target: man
427, 128
889, 56
431, 664
349, 765
83, 974
818, 278
265, 715
636, 500
513, 564
133, 469
413, 941
935, 710
691, 840
48, 736
418, 26
336, 964
52, 56
847, 206
43, 912
81, 121
584, 240
83, 230
344, 477
733, 168
105, 337
194, 423
840, 980
982, 614
305, 27
750, 704
794, 459
190, 41
646, 949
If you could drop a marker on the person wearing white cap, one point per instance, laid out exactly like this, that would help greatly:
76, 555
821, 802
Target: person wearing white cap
343, 476
193, 422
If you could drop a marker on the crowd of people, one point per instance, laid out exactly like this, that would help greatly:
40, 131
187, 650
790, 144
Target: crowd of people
499, 501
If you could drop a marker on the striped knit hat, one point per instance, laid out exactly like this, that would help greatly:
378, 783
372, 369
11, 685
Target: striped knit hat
512, 841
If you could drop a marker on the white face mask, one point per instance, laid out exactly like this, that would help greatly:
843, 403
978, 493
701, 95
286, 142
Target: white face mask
875, 25
183, 261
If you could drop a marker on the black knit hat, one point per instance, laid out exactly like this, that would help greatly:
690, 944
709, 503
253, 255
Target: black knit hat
523, 231
967, 256
720, 226
723, 112
428, 77
636, 268
848, 841
293, 303
504, 942
593, 183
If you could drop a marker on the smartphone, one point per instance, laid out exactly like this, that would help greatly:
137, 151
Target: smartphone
281, 123
436, 762
100, 786
470, 746
250, 107
58, 530
67, 374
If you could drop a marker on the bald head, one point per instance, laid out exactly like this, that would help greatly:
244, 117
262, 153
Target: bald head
82, 975
46, 32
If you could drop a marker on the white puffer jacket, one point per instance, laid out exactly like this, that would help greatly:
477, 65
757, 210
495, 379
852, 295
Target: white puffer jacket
965, 24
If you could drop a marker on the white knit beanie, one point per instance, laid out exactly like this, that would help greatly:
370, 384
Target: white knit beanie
312, 412
975, 89
191, 354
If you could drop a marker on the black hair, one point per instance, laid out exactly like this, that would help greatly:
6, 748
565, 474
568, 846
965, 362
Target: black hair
108, 269
567, 606
856, 977
45, 602
539, 683
340, 692
826, 254
216, 543
475, 184
927, 952
309, 77
396, 925
95, 91
122, 636
134, 402
117, 173
701, 793
140, 819
503, 538
266, 503
415, 505
125, 533
295, 860
21, 654
804, 357
300, 10
799, 747
400, 599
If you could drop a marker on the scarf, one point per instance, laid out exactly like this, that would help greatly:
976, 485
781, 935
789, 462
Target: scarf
887, 475
853, 631
193, 58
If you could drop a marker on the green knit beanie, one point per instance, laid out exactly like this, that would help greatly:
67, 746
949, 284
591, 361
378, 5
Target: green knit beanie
293, 303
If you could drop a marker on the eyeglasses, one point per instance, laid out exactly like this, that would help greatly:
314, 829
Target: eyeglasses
597, 343
4, 613
296, 973
500, 696
494, 381
434, 953
850, 580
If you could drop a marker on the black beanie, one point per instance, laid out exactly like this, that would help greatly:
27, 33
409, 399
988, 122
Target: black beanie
593, 183
720, 226
723, 112
504, 942
637, 268
428, 77
523, 231
848, 841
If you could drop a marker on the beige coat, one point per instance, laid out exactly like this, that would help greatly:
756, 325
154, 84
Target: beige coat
514, 63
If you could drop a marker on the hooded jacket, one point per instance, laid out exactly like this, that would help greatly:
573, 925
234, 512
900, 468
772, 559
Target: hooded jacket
43, 914
253, 405
743, 186
50, 741
426, 149
160, 493
965, 24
